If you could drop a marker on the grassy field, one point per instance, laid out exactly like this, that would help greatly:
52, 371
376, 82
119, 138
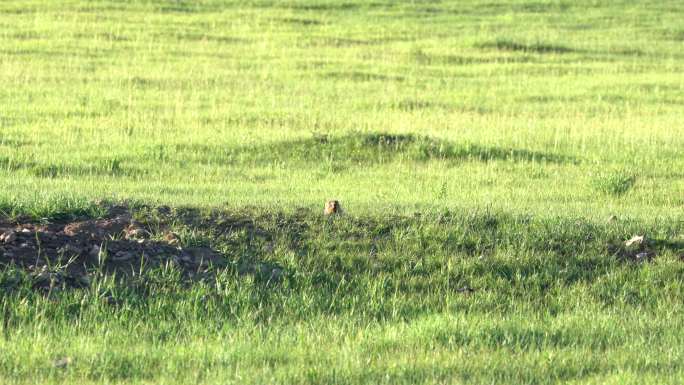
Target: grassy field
491, 158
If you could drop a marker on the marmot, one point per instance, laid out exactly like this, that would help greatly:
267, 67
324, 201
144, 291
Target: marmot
332, 207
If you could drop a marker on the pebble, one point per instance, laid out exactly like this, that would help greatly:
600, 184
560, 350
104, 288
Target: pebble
122, 256
9, 237
635, 240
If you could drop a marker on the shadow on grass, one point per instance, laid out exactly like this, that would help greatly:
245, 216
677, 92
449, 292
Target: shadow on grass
333, 6
510, 45
299, 21
339, 153
548, 48
377, 148
422, 57
358, 76
274, 259
102, 167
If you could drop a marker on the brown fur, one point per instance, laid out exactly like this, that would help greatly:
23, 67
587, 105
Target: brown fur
332, 207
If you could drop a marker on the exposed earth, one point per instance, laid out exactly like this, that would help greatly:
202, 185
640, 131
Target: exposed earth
63, 253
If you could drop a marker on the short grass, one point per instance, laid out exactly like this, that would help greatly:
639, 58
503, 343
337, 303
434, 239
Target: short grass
474, 145
182, 102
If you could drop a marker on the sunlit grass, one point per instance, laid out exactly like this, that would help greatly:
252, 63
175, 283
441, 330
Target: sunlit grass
181, 103
489, 157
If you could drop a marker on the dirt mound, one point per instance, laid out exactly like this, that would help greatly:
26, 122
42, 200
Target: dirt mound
65, 252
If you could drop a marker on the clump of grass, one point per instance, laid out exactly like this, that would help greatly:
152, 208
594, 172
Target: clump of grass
615, 183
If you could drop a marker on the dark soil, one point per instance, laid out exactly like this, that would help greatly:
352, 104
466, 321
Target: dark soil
63, 252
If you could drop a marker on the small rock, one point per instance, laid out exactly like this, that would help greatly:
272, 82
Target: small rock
25, 231
8, 237
635, 240
122, 256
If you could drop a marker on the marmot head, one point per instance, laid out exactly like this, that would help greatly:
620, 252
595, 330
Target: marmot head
332, 207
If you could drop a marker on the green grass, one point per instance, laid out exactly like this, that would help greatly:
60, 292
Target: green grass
182, 102
472, 144
480, 297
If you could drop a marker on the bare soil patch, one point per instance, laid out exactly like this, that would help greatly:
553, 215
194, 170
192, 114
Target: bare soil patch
63, 252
